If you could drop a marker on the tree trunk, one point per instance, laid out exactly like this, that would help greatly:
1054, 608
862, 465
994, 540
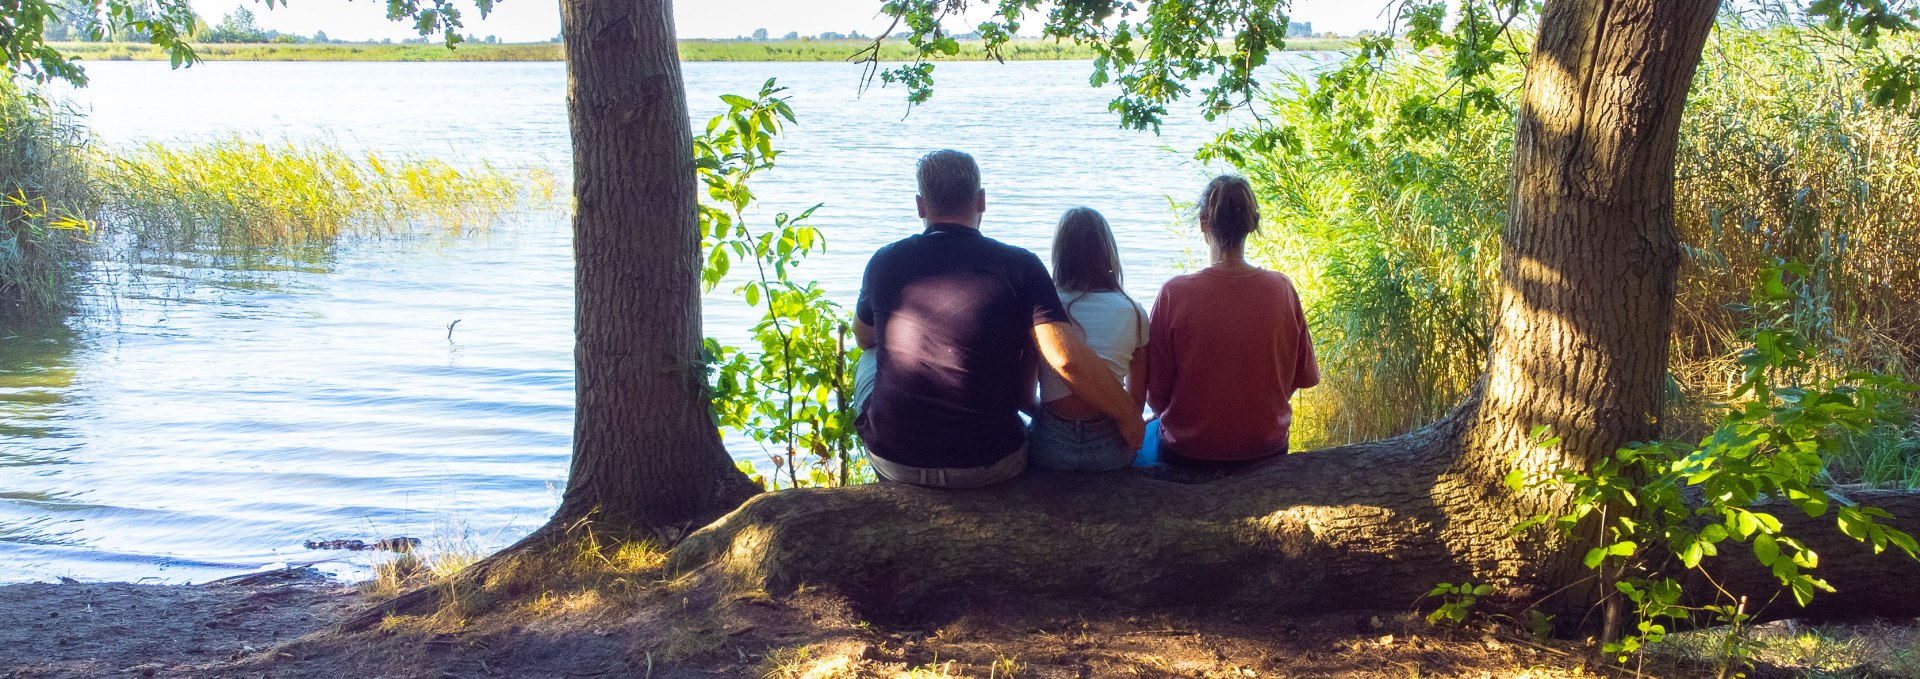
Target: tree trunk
1353, 527
646, 451
1580, 346
1588, 265
647, 458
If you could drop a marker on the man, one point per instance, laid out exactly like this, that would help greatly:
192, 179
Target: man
950, 320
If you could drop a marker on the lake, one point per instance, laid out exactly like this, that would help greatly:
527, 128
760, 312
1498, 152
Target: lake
203, 421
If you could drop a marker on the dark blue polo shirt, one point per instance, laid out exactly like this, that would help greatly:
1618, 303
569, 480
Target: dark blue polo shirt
954, 313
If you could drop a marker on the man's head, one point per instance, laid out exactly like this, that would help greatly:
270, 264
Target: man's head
950, 188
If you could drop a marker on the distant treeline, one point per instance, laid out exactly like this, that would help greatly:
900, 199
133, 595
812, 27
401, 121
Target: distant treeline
690, 50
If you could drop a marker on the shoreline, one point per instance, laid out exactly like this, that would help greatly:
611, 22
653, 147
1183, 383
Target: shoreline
691, 51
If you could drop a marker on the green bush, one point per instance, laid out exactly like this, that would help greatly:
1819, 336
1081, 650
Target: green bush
1386, 186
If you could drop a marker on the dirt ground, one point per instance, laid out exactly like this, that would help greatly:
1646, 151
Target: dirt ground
283, 627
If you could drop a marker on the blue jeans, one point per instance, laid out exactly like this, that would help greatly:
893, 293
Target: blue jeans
1075, 445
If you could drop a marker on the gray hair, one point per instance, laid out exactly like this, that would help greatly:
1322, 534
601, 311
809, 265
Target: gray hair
949, 180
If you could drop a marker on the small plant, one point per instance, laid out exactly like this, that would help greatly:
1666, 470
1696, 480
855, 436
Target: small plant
1006, 667
1771, 445
794, 393
1456, 602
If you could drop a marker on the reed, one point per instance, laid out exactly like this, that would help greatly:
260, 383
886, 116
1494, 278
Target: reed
1389, 223
235, 193
45, 204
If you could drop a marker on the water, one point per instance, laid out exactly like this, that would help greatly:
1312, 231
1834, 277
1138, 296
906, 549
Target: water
210, 420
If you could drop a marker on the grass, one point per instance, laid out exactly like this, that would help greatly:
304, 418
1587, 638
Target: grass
1392, 231
236, 193
1878, 649
690, 50
45, 204
589, 575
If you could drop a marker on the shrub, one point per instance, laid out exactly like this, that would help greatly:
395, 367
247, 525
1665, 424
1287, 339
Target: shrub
1386, 185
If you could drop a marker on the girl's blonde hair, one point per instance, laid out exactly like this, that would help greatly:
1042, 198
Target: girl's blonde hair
1085, 256
1086, 259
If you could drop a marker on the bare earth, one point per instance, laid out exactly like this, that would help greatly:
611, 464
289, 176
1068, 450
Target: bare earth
117, 629
281, 626
256, 629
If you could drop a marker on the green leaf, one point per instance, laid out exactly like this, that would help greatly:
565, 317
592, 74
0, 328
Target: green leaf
1713, 533
1766, 549
1594, 557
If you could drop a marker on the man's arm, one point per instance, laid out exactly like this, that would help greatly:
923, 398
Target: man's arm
1088, 377
863, 335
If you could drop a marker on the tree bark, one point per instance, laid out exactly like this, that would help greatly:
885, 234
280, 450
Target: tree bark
1580, 346
1353, 527
646, 451
1589, 258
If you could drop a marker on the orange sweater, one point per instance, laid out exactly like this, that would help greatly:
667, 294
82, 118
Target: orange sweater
1225, 353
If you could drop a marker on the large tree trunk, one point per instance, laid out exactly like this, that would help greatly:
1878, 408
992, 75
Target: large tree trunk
1588, 264
1354, 527
1580, 346
647, 459
646, 452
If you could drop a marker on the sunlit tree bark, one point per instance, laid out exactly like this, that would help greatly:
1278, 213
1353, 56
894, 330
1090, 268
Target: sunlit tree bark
646, 452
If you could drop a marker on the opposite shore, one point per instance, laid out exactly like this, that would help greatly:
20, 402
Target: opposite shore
690, 50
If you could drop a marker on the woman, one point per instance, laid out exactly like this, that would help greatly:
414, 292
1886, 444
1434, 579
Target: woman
1070, 434
1228, 345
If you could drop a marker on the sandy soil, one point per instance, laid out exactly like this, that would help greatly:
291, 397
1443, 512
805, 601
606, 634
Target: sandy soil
116, 629
281, 626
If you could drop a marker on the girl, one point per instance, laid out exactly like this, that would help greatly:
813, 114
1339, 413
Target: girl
1068, 433
1228, 346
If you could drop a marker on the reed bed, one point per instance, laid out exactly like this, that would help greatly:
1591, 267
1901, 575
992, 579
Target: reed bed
1391, 231
235, 193
45, 203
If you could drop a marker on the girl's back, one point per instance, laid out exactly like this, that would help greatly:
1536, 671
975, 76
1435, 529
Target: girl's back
1227, 351
1114, 326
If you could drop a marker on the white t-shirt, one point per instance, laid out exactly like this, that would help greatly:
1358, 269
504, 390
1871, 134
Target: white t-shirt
1115, 327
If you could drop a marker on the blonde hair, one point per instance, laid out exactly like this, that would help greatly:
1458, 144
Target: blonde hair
1085, 256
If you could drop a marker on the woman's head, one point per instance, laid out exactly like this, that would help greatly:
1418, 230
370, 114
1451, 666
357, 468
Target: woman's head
1228, 211
1085, 258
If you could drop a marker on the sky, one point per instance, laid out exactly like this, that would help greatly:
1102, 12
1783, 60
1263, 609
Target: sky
539, 20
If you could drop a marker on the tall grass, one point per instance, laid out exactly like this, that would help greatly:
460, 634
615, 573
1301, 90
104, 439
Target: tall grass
1391, 234
236, 193
45, 202
1391, 231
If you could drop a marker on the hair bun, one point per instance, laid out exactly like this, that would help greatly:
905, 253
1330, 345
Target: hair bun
1228, 210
